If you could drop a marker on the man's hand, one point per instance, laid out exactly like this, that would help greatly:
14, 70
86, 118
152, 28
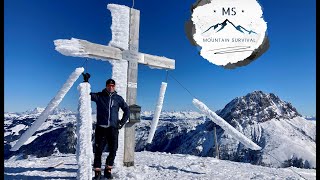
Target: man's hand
119, 126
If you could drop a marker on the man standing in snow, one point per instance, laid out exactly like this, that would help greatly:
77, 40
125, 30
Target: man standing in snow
108, 125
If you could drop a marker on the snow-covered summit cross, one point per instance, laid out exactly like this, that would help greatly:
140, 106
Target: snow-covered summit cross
123, 53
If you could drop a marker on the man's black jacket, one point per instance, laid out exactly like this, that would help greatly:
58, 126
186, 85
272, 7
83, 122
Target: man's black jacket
108, 105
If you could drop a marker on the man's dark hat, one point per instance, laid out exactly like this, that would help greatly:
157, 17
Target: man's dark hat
110, 81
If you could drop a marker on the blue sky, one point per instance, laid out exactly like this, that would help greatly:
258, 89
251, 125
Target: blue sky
34, 71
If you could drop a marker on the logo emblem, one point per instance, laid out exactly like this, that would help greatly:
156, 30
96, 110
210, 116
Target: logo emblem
228, 31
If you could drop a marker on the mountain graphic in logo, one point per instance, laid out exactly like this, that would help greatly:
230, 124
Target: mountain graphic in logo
226, 22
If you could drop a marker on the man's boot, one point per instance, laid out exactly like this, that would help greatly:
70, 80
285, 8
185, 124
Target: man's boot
97, 173
107, 172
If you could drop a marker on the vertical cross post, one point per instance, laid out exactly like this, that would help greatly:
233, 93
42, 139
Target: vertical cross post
132, 57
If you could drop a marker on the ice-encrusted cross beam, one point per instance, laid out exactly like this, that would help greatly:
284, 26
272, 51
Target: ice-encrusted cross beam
123, 53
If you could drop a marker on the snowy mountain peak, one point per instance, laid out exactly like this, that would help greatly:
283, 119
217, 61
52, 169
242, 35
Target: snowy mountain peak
63, 111
36, 110
173, 115
258, 106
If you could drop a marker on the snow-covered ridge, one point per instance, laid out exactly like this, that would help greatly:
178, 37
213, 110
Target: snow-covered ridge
312, 118
36, 112
15, 124
173, 115
144, 114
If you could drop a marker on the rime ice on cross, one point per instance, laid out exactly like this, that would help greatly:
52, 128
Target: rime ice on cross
123, 47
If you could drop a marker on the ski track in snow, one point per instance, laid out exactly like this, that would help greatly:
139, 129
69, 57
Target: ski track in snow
150, 166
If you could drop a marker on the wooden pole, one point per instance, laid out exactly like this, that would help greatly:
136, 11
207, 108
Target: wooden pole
216, 142
132, 57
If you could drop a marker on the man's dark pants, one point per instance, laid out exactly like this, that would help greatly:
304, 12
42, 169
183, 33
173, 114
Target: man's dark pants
105, 136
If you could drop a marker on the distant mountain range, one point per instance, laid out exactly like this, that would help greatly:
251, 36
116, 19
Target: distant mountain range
312, 118
286, 137
220, 26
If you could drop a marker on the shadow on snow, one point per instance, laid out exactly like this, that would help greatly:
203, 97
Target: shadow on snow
9, 170
175, 169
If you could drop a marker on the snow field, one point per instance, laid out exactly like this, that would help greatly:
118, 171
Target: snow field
153, 166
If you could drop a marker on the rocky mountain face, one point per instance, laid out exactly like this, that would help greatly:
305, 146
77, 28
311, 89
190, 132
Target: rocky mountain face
286, 138
259, 107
